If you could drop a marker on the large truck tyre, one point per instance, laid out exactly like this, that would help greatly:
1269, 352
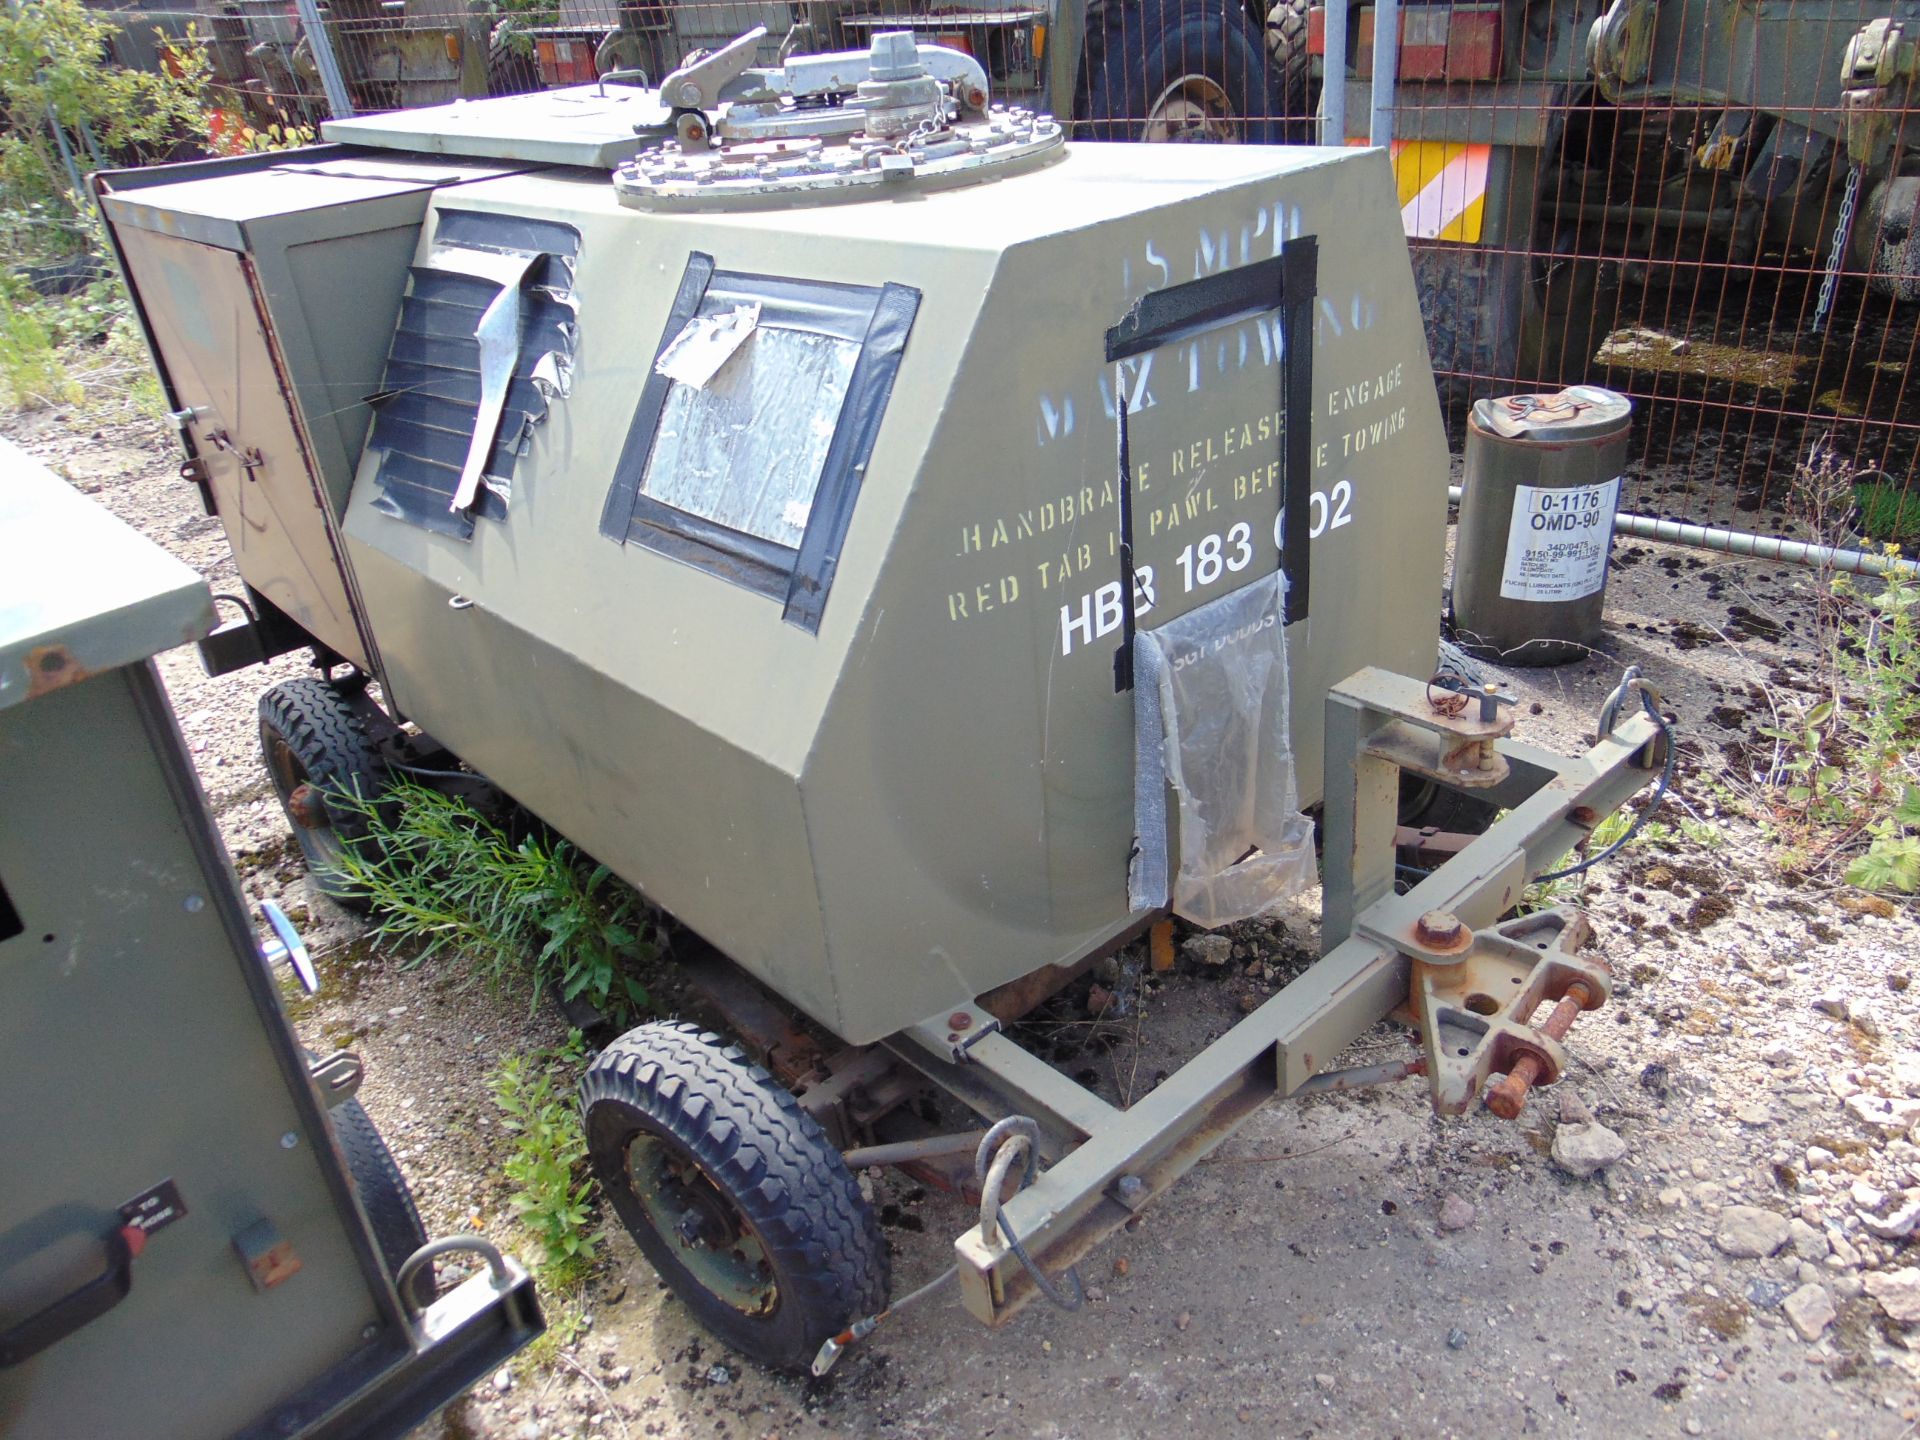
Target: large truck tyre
1500, 322
511, 70
316, 745
1184, 71
1286, 32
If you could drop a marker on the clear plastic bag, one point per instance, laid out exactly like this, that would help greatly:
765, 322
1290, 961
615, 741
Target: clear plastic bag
1217, 678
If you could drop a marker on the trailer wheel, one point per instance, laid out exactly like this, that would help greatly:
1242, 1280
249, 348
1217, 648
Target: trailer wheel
732, 1192
383, 1192
313, 743
1184, 71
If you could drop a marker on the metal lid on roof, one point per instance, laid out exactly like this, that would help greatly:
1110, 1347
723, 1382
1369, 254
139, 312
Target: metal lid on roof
850, 125
1580, 412
592, 126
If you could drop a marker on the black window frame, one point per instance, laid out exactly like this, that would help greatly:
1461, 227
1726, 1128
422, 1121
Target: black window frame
1288, 284
878, 318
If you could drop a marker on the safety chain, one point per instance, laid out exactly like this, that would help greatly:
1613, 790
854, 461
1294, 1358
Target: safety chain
1842, 233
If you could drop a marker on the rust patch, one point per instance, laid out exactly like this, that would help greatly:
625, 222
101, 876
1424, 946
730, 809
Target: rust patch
50, 667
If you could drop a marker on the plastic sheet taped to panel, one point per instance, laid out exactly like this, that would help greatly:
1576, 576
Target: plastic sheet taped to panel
1212, 686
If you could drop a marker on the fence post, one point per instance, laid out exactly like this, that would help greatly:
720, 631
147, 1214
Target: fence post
1333, 87
323, 58
1386, 69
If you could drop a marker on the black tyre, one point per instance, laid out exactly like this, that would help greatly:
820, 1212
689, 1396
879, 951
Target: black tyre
511, 69
397, 1231
732, 1192
316, 746
1286, 35
1184, 71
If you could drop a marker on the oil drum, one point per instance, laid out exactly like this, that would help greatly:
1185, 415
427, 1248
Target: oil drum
1541, 487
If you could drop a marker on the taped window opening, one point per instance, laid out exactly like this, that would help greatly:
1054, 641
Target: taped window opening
1211, 729
755, 427
483, 349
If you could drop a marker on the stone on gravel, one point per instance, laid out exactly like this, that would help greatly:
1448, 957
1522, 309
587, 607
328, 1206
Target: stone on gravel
1882, 1112
1810, 1310
1898, 1292
1323, 1380
503, 1380
1455, 1213
1212, 950
1747, 1232
1832, 1003
1753, 1113
1899, 1223
1582, 1149
1809, 1242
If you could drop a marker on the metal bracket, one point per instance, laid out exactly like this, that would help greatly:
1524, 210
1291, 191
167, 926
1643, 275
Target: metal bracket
1474, 1009
196, 472
1877, 57
698, 86
337, 1076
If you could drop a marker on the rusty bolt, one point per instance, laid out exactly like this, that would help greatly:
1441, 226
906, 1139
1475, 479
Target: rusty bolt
1439, 929
960, 1020
1584, 816
1506, 1098
306, 808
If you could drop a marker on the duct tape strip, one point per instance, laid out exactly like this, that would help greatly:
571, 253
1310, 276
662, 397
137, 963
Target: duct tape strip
868, 391
616, 517
1147, 881
1288, 283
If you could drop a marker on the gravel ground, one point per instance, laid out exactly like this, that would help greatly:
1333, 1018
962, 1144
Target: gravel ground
1743, 1264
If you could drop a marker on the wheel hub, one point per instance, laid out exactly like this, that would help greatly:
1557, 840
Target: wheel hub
1192, 110
709, 1235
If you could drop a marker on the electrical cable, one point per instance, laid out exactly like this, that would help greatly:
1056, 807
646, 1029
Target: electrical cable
1653, 802
437, 774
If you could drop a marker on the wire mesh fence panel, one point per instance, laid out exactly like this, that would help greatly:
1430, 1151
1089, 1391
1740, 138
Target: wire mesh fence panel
1706, 204
1690, 203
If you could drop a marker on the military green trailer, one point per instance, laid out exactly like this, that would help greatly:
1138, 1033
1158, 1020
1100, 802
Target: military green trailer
201, 1232
920, 555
